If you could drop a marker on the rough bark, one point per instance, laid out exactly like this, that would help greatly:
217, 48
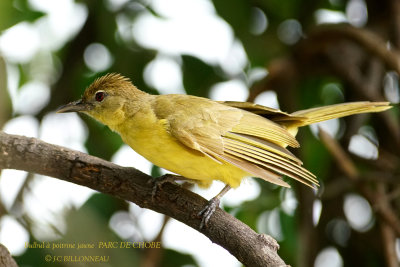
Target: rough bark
5, 257
33, 155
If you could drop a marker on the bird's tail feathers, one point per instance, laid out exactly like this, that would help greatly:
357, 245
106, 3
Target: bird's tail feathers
314, 115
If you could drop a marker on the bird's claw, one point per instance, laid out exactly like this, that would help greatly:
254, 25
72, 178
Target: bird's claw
159, 181
208, 211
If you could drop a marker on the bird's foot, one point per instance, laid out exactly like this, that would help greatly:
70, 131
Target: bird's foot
208, 211
159, 181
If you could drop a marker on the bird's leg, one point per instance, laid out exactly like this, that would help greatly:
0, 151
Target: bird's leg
167, 178
211, 206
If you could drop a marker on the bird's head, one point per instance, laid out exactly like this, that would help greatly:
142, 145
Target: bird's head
105, 98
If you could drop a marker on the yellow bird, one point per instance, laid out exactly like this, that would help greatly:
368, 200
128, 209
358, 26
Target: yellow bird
204, 140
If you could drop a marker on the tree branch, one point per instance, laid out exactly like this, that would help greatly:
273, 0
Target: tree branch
365, 38
5, 257
388, 234
382, 205
33, 155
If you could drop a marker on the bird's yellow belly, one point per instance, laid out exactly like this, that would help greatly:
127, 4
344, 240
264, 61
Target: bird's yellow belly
159, 147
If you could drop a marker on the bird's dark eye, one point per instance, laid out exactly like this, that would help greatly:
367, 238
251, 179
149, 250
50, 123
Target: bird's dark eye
99, 96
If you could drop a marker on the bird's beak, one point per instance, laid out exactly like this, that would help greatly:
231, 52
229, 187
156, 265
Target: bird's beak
73, 107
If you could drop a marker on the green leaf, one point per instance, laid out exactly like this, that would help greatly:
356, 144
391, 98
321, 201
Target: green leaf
174, 258
13, 12
198, 76
102, 142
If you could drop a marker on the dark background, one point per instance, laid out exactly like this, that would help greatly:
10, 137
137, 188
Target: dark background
308, 64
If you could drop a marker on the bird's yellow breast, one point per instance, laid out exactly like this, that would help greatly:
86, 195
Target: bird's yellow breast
149, 137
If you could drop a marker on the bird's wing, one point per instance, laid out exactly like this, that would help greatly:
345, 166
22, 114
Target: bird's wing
272, 114
228, 134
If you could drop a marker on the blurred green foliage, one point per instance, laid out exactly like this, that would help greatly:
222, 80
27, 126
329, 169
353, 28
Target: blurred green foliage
16, 11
